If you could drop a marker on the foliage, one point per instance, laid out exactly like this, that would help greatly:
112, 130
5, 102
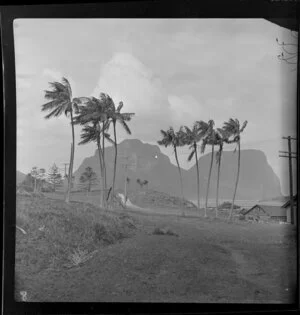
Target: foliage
61, 102
54, 177
88, 178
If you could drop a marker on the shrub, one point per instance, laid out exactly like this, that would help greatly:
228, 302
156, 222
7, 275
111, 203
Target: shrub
164, 231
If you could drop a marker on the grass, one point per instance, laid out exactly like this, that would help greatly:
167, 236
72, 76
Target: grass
60, 235
64, 255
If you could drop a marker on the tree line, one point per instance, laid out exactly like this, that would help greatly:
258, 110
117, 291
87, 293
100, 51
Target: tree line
38, 180
96, 116
99, 116
206, 134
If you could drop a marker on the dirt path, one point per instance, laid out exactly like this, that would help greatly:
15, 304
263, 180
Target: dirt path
200, 265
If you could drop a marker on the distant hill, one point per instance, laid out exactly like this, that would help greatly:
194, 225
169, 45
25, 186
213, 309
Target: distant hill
147, 162
20, 177
257, 179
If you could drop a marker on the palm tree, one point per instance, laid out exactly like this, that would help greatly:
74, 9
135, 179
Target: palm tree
192, 137
92, 133
174, 139
61, 101
114, 116
221, 138
94, 111
234, 129
208, 134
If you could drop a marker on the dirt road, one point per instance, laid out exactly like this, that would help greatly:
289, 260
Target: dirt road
208, 262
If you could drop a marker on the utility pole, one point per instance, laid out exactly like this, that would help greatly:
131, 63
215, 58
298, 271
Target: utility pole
290, 155
65, 164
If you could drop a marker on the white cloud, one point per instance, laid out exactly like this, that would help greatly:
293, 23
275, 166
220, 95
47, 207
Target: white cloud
127, 79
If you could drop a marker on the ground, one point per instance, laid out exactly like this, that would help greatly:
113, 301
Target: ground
205, 261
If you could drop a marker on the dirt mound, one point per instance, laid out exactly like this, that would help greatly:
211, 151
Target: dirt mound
155, 199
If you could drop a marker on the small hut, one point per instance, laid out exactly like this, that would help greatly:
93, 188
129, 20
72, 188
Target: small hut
287, 207
266, 212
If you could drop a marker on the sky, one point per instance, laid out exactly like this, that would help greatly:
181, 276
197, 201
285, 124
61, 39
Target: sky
169, 72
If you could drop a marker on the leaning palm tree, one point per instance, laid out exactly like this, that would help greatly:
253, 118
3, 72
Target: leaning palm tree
208, 134
94, 111
174, 139
221, 138
92, 133
114, 115
192, 137
234, 130
61, 101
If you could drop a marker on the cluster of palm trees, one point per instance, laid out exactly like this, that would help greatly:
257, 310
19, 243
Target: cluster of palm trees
96, 116
207, 134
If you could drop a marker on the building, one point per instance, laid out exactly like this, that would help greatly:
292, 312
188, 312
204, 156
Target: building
266, 212
287, 207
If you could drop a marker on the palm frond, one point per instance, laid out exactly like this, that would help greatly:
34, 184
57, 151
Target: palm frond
125, 126
50, 105
56, 112
68, 86
191, 155
188, 130
244, 125
52, 95
126, 116
203, 145
120, 107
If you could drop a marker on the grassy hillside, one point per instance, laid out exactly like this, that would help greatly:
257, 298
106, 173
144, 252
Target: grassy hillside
61, 236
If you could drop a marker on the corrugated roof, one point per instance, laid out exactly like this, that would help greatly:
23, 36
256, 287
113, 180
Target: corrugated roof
273, 211
287, 204
276, 203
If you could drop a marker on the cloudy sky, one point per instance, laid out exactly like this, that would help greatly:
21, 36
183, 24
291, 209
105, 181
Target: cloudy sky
168, 72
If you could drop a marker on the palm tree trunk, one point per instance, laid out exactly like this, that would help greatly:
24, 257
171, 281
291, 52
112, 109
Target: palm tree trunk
237, 180
198, 183
70, 178
115, 164
208, 181
218, 182
180, 175
101, 174
104, 166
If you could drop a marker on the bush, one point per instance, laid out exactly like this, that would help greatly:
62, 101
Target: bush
24, 188
47, 189
164, 231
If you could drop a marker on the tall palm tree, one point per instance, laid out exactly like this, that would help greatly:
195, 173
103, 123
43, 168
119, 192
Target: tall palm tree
92, 133
208, 134
221, 138
174, 139
114, 116
94, 112
233, 128
61, 102
192, 137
